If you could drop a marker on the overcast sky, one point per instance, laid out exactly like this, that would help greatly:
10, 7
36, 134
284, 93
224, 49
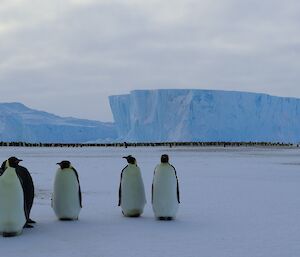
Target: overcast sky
68, 56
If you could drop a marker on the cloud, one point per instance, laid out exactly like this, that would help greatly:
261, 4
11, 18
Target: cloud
68, 56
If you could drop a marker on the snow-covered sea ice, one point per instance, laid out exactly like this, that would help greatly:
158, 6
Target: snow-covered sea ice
235, 202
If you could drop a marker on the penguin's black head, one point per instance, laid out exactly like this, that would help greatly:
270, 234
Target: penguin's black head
164, 158
13, 161
64, 164
130, 159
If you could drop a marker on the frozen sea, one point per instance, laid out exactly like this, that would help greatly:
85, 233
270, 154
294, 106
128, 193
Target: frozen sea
236, 202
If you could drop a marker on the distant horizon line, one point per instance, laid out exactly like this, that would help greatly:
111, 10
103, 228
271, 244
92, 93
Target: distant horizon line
169, 144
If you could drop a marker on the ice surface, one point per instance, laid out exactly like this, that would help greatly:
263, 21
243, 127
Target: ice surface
205, 115
236, 202
20, 123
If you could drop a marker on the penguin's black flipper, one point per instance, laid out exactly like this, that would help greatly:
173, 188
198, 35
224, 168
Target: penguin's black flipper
178, 198
2, 169
120, 187
28, 186
79, 189
152, 187
26, 211
120, 191
3, 165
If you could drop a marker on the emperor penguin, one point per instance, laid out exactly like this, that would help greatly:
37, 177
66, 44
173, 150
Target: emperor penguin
165, 190
132, 197
12, 206
66, 197
27, 185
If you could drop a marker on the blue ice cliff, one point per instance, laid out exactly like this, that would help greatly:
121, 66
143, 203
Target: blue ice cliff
205, 115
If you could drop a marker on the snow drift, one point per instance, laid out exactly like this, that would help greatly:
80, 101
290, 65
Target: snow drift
205, 115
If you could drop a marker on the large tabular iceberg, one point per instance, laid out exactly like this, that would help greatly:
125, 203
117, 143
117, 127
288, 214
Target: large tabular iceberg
205, 115
20, 123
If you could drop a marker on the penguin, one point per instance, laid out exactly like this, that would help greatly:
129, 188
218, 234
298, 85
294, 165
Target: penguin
27, 185
165, 190
132, 197
12, 211
66, 198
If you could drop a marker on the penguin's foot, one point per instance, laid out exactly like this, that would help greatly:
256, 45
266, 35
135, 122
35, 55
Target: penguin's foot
165, 218
31, 221
9, 234
133, 215
28, 226
66, 219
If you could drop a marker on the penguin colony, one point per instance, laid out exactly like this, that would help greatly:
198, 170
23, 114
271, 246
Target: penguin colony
156, 144
17, 193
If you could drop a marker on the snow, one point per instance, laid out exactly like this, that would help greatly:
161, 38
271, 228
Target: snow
236, 202
20, 123
205, 115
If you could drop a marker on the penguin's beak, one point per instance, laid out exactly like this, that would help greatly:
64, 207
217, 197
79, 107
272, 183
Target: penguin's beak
18, 160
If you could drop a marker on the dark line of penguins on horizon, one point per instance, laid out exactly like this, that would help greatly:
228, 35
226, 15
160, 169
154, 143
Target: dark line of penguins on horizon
149, 144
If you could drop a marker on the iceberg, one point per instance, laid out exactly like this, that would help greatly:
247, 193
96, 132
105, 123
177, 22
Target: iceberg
205, 115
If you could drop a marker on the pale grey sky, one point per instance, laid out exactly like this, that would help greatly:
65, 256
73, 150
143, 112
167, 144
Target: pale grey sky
68, 56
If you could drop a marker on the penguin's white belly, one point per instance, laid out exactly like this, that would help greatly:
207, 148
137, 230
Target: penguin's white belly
12, 215
133, 193
65, 200
165, 202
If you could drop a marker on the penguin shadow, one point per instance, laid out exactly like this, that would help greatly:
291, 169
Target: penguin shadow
144, 218
132, 217
165, 219
67, 220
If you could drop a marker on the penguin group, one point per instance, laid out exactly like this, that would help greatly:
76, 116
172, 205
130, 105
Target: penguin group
17, 193
165, 197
